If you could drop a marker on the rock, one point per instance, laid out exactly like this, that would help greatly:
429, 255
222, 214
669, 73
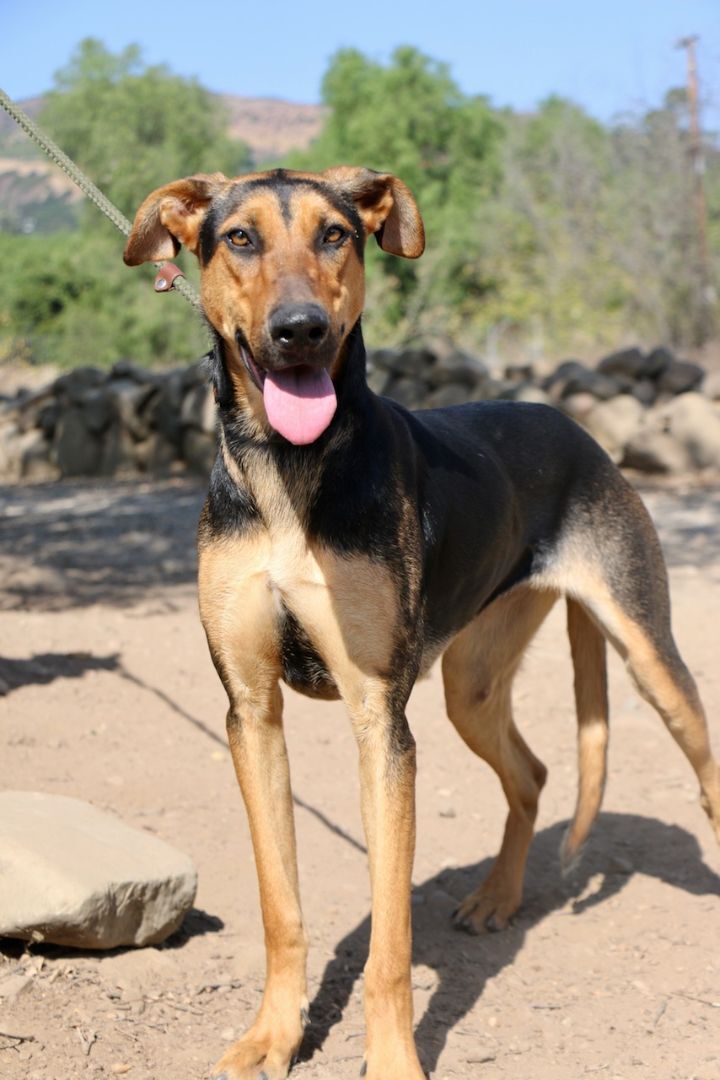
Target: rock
198, 451
614, 423
76, 876
655, 451
555, 383
415, 363
98, 410
695, 423
129, 401
602, 387
117, 451
34, 452
679, 377
450, 394
165, 408
379, 380
627, 362
75, 384
711, 385
645, 390
76, 451
198, 409
578, 405
408, 391
656, 361
533, 395
457, 367
522, 374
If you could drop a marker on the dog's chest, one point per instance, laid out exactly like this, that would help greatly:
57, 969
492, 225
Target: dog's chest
335, 614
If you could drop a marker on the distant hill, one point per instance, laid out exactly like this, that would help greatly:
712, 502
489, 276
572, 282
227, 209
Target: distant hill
36, 196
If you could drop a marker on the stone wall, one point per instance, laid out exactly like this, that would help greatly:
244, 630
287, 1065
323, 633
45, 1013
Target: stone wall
651, 410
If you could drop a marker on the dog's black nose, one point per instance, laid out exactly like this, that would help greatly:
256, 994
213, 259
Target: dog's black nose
298, 326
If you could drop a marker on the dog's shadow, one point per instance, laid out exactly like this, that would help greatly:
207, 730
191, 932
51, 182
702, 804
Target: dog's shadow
622, 845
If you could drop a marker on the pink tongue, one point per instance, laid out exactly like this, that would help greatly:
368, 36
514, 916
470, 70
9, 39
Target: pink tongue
300, 402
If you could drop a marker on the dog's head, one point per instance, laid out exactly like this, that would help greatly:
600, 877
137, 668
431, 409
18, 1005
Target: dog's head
282, 281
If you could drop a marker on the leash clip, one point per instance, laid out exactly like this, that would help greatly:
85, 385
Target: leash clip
166, 275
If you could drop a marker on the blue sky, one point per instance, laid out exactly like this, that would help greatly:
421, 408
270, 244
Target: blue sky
609, 57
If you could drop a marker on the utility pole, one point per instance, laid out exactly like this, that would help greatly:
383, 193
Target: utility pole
697, 157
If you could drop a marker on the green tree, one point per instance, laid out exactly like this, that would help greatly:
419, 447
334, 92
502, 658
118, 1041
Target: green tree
132, 127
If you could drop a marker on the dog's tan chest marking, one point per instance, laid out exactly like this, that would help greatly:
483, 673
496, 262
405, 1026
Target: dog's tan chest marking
344, 605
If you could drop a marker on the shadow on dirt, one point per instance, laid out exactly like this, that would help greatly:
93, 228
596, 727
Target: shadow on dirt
196, 923
73, 544
44, 668
464, 964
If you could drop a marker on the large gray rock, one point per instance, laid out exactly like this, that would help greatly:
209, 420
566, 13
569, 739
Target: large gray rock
679, 377
73, 875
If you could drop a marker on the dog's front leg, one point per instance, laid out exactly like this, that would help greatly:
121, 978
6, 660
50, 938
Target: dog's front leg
257, 743
387, 778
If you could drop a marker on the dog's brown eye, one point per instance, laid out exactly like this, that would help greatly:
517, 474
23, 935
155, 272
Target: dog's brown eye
334, 235
239, 238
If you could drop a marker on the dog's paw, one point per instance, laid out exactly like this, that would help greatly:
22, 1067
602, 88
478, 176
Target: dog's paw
256, 1057
487, 909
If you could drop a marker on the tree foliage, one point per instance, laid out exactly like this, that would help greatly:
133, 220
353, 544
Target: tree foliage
547, 232
132, 127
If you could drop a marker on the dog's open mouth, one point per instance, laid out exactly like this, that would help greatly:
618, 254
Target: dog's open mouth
299, 401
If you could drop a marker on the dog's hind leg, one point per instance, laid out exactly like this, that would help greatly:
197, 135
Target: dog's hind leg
611, 562
662, 678
587, 645
478, 670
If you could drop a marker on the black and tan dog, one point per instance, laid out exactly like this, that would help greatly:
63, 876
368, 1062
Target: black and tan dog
346, 543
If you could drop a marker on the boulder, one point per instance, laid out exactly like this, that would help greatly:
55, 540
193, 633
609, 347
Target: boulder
627, 362
408, 391
76, 450
695, 422
74, 384
578, 405
198, 409
554, 383
656, 451
198, 451
129, 401
614, 423
450, 394
73, 875
415, 363
711, 385
532, 395
34, 452
645, 390
679, 377
656, 361
165, 408
457, 367
602, 387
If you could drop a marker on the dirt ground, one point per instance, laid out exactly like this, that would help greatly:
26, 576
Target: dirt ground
109, 695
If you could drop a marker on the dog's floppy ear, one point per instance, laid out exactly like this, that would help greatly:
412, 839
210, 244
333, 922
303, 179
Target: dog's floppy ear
171, 216
386, 206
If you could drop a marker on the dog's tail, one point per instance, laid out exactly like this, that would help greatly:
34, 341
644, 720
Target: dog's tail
587, 645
